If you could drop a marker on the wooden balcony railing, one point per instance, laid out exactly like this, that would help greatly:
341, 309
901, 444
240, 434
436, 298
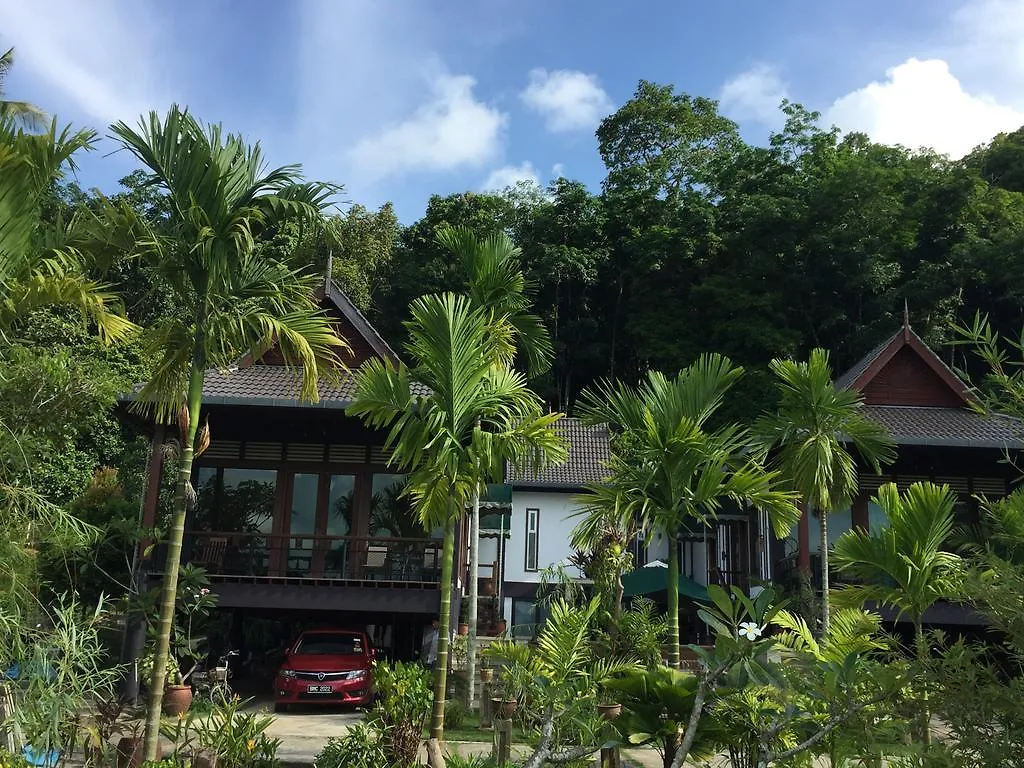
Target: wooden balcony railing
309, 556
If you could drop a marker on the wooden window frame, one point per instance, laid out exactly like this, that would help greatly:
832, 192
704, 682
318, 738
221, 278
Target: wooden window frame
532, 515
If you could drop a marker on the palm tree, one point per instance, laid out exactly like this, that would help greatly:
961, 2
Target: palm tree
234, 298
479, 413
809, 433
21, 112
496, 284
45, 266
904, 565
670, 467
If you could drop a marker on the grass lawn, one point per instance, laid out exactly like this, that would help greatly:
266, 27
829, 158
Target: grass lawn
469, 730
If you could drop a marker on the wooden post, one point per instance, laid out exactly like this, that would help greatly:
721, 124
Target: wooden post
610, 757
804, 537
486, 713
502, 752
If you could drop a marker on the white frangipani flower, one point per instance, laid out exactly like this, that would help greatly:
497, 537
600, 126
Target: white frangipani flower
750, 630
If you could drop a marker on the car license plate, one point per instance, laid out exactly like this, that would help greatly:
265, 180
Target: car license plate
319, 689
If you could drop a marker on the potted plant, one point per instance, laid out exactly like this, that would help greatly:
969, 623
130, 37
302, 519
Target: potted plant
500, 626
464, 612
508, 701
192, 608
607, 707
486, 674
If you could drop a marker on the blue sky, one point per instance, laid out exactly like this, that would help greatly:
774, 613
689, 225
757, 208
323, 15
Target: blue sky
399, 99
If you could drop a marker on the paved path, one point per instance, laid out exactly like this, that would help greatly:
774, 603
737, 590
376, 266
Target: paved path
304, 733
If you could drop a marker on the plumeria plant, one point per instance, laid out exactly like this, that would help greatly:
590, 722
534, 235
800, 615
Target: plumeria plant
192, 609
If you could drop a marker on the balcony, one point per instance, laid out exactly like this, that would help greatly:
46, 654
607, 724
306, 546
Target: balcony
283, 558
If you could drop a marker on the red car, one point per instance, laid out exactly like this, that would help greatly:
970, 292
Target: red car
326, 666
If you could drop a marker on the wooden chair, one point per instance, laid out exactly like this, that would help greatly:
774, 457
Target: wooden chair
211, 553
376, 562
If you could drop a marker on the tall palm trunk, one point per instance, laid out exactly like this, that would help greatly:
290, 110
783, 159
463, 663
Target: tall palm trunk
443, 631
823, 548
474, 589
673, 601
921, 649
169, 589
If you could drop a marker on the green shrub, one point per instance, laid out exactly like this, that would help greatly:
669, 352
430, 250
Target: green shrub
237, 738
404, 700
360, 747
455, 713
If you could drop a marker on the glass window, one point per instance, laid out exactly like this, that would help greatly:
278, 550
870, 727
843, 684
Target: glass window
305, 489
234, 499
391, 514
528, 617
877, 519
532, 538
839, 522
340, 502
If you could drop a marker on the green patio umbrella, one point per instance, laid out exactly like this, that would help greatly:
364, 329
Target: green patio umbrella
653, 578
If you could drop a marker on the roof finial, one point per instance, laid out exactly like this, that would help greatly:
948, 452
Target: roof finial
906, 321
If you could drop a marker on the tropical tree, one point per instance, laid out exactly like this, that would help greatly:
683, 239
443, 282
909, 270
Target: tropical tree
233, 297
21, 112
904, 565
672, 467
477, 413
42, 266
497, 285
808, 436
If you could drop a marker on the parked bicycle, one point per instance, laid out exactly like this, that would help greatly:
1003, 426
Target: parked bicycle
214, 683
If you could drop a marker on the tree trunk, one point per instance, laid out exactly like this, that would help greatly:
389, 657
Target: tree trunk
169, 588
921, 649
443, 631
474, 588
673, 601
823, 517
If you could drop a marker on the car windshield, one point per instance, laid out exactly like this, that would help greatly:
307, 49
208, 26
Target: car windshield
329, 644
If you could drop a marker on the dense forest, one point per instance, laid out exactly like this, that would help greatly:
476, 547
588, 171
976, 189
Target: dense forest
697, 241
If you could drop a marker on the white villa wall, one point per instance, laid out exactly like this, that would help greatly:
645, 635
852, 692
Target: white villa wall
555, 524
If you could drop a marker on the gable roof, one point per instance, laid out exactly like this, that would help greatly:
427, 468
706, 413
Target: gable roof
949, 421
252, 382
589, 451
359, 322
869, 366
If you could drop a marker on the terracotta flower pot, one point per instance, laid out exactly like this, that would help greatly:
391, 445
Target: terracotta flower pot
177, 699
129, 752
463, 629
508, 706
501, 626
609, 711
486, 674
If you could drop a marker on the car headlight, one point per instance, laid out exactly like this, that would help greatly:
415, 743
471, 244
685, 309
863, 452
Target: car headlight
287, 673
359, 674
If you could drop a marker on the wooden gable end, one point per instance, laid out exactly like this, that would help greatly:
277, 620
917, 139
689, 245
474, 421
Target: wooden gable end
906, 372
906, 379
350, 324
361, 351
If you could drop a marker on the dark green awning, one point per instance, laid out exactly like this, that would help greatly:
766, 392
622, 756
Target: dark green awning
654, 579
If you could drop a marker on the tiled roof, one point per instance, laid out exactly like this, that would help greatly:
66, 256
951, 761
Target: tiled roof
276, 385
588, 452
954, 427
844, 381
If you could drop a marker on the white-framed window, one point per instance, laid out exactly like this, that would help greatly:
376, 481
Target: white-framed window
532, 538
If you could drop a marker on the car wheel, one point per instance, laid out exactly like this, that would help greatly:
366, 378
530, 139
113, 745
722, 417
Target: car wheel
280, 708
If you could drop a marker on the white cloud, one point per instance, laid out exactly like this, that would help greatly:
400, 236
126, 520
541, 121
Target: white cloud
569, 100
80, 53
510, 175
922, 104
557, 170
450, 130
754, 95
